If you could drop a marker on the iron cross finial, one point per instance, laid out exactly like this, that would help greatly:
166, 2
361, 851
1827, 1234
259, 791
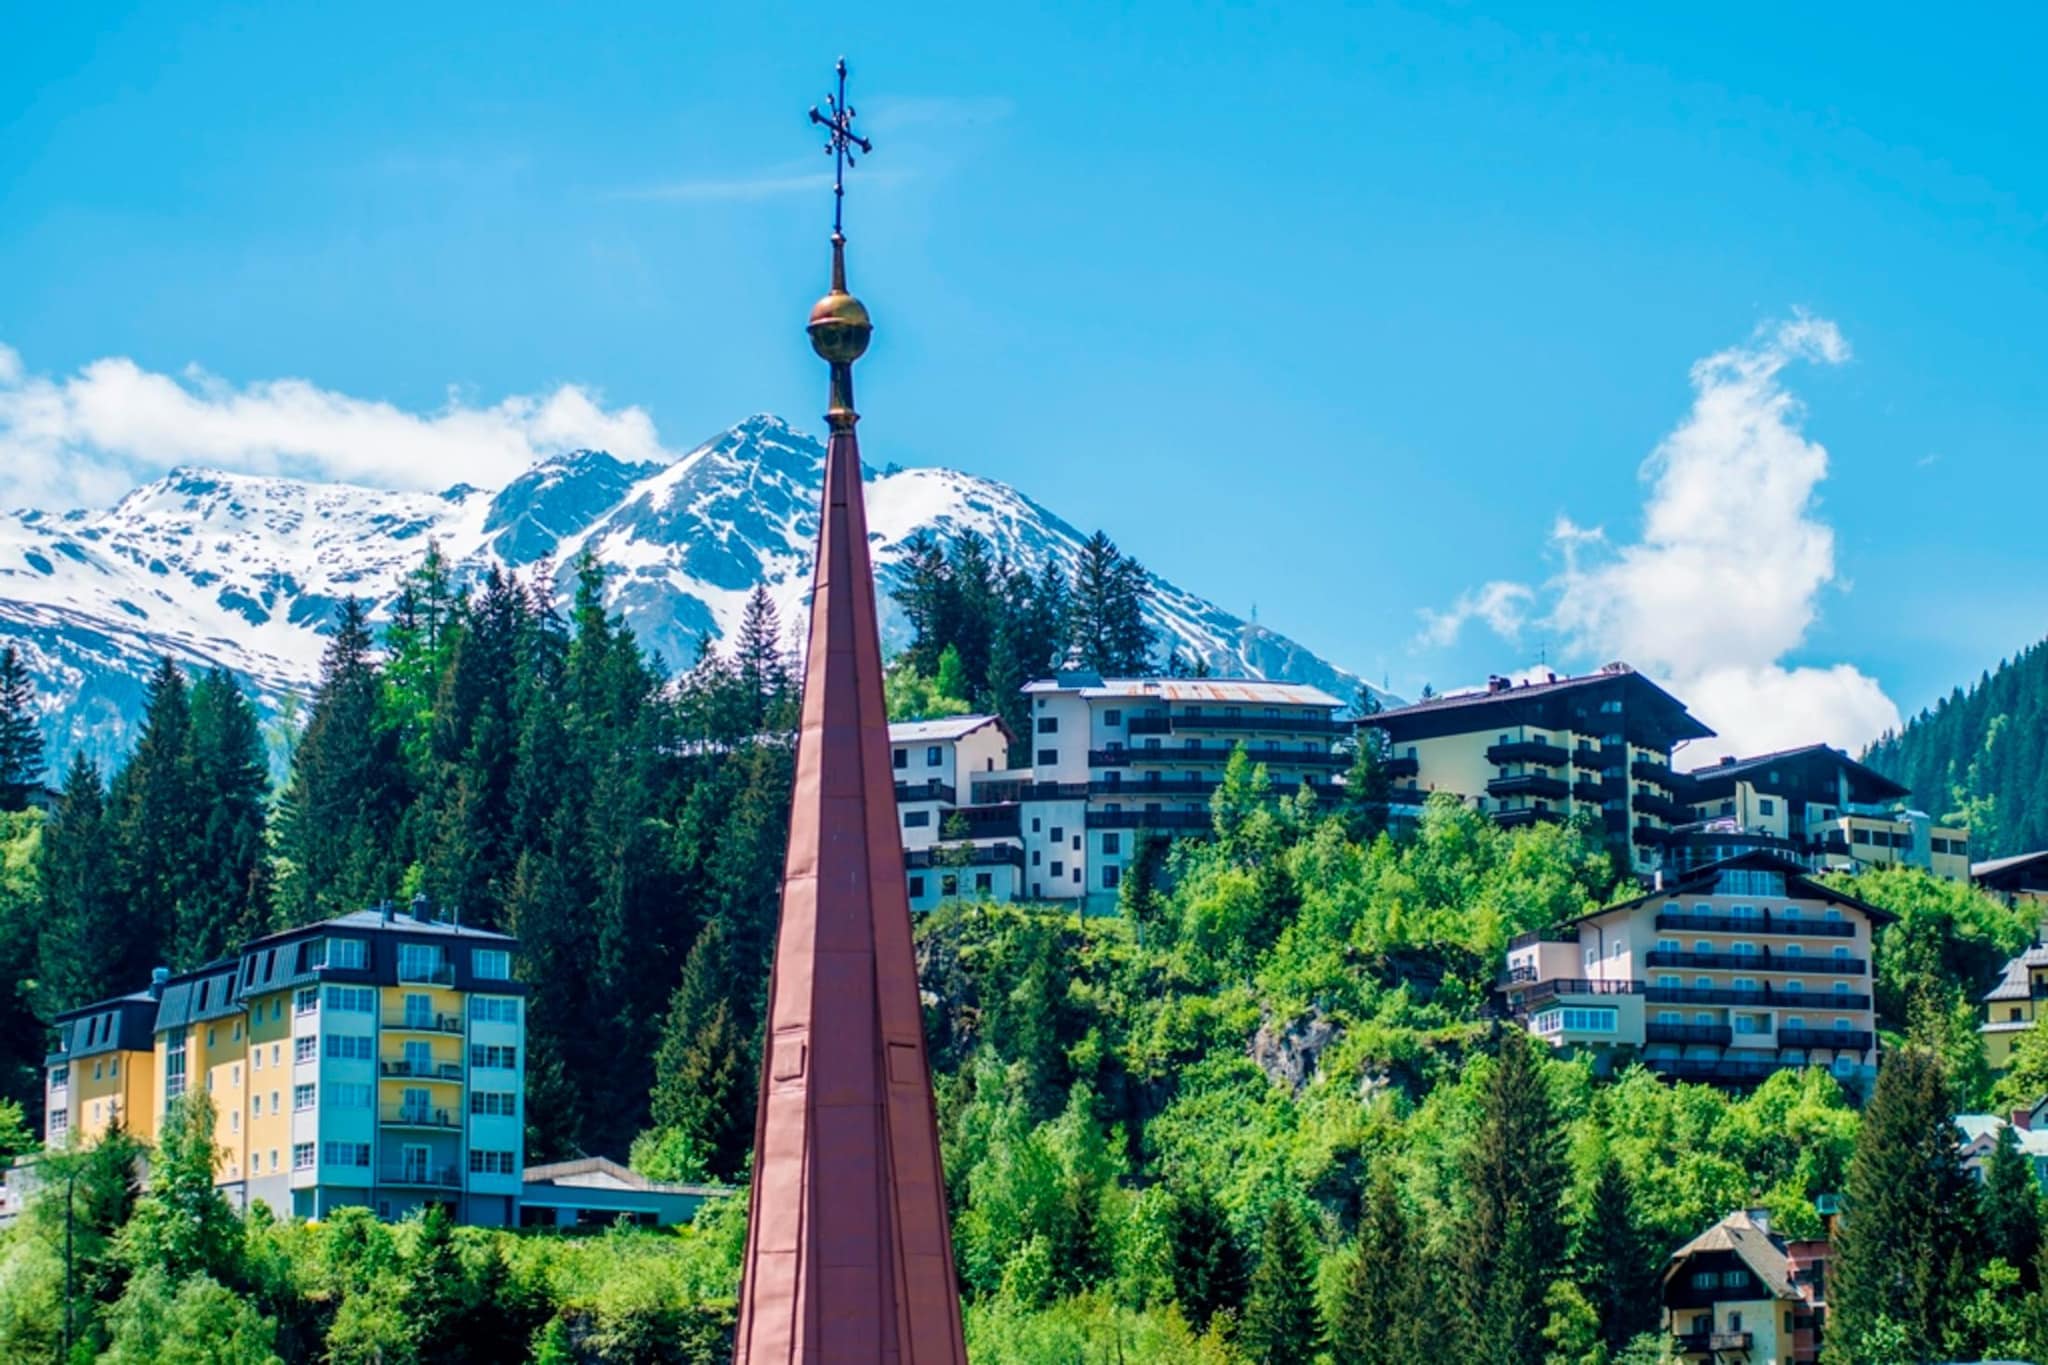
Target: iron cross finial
840, 141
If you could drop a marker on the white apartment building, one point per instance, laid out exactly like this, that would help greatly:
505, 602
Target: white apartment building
1108, 761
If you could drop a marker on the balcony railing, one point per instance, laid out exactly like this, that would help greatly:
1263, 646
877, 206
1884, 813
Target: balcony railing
1839, 1039
1796, 964
1401, 766
1585, 790
1758, 924
1719, 1068
1148, 819
418, 1116
1539, 752
1764, 996
410, 1022
1197, 788
934, 790
1650, 770
1650, 834
1271, 755
1720, 1034
1587, 758
413, 1173
1565, 987
1286, 725
981, 822
1529, 784
423, 1071
1017, 789
1662, 807
1691, 1343
438, 974
1729, 1341
963, 855
1525, 816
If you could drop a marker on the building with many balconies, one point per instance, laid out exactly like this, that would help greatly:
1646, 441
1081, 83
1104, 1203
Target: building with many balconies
1814, 805
1737, 970
956, 842
374, 1059
1528, 752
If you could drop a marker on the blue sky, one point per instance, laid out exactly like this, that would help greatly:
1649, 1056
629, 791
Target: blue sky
1339, 312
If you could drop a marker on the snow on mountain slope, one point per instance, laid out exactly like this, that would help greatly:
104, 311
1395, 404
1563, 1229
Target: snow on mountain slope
246, 572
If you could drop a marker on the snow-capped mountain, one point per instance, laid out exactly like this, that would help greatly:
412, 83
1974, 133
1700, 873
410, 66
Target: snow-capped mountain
246, 572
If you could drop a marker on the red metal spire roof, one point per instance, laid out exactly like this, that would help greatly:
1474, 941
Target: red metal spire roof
849, 1255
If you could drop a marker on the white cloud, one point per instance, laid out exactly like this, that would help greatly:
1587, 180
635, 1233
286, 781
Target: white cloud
1727, 576
1501, 606
86, 438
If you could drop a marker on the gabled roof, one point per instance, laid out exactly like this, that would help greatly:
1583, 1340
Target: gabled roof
1684, 725
1756, 1246
2014, 985
1872, 783
944, 728
1799, 885
2018, 862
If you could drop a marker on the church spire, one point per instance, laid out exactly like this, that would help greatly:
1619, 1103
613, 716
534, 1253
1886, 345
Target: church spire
849, 1256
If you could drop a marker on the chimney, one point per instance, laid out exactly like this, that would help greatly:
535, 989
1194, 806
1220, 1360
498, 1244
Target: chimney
1760, 1217
2023, 1120
159, 977
384, 911
1727, 760
1496, 683
422, 908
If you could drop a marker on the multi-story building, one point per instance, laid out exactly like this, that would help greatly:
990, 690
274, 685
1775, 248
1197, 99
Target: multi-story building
2014, 1005
1738, 1292
1736, 970
1110, 760
1547, 750
1817, 806
2019, 880
374, 1059
102, 1070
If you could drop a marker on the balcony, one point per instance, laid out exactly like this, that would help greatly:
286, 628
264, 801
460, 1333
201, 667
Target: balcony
1794, 963
1193, 788
1730, 1341
1650, 835
1764, 997
434, 974
1401, 766
1566, 987
1738, 1069
950, 856
1540, 752
1587, 758
409, 1022
1286, 725
1524, 817
1662, 807
1837, 1039
1529, 784
1691, 1343
1269, 754
1721, 1035
1149, 725
1650, 770
1589, 791
1149, 819
1757, 924
981, 822
406, 1069
1002, 789
933, 790
418, 1116
421, 1175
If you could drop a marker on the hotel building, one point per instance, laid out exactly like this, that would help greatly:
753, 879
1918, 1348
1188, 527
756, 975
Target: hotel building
2019, 880
1544, 751
1725, 975
1111, 760
1817, 806
374, 1059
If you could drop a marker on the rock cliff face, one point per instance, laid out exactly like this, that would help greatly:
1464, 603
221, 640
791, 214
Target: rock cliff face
246, 572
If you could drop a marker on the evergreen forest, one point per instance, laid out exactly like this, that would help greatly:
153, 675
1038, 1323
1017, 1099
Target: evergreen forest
1265, 1115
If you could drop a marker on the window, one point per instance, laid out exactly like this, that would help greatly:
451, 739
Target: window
1112, 843
1076, 843
418, 962
1667, 945
347, 1153
114, 1066
1048, 725
349, 1047
1077, 874
256, 1105
901, 758
934, 756
504, 1102
347, 952
302, 1098
916, 819
916, 886
212, 1037
1048, 757
348, 1095
984, 881
1112, 877
275, 1056
495, 1009
255, 1058
1057, 833
235, 1074
491, 964
306, 1047
238, 1031
276, 1013
1036, 857
352, 999
486, 1162
949, 884
1766, 806
1113, 716
1588, 1020
276, 1102
306, 1001
1059, 869
493, 1055
1705, 1279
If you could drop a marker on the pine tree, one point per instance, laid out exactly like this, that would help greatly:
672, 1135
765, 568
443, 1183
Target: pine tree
703, 1070
435, 1299
87, 940
1512, 1235
977, 609
924, 590
154, 805
228, 902
1902, 1259
1208, 1262
757, 657
21, 738
1612, 1261
1281, 1325
1106, 623
2010, 1221
1381, 1312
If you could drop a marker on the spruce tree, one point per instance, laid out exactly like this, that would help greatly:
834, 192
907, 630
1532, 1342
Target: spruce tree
1380, 1316
1106, 623
2010, 1220
1511, 1240
1612, 1261
1208, 1261
21, 737
88, 940
1904, 1247
155, 808
757, 657
1281, 1323
228, 901
703, 1070
924, 591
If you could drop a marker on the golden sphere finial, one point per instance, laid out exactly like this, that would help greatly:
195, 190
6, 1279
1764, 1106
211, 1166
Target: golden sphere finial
840, 326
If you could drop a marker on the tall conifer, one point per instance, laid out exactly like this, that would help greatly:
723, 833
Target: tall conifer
1281, 1323
21, 736
1380, 1315
1512, 1237
87, 940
